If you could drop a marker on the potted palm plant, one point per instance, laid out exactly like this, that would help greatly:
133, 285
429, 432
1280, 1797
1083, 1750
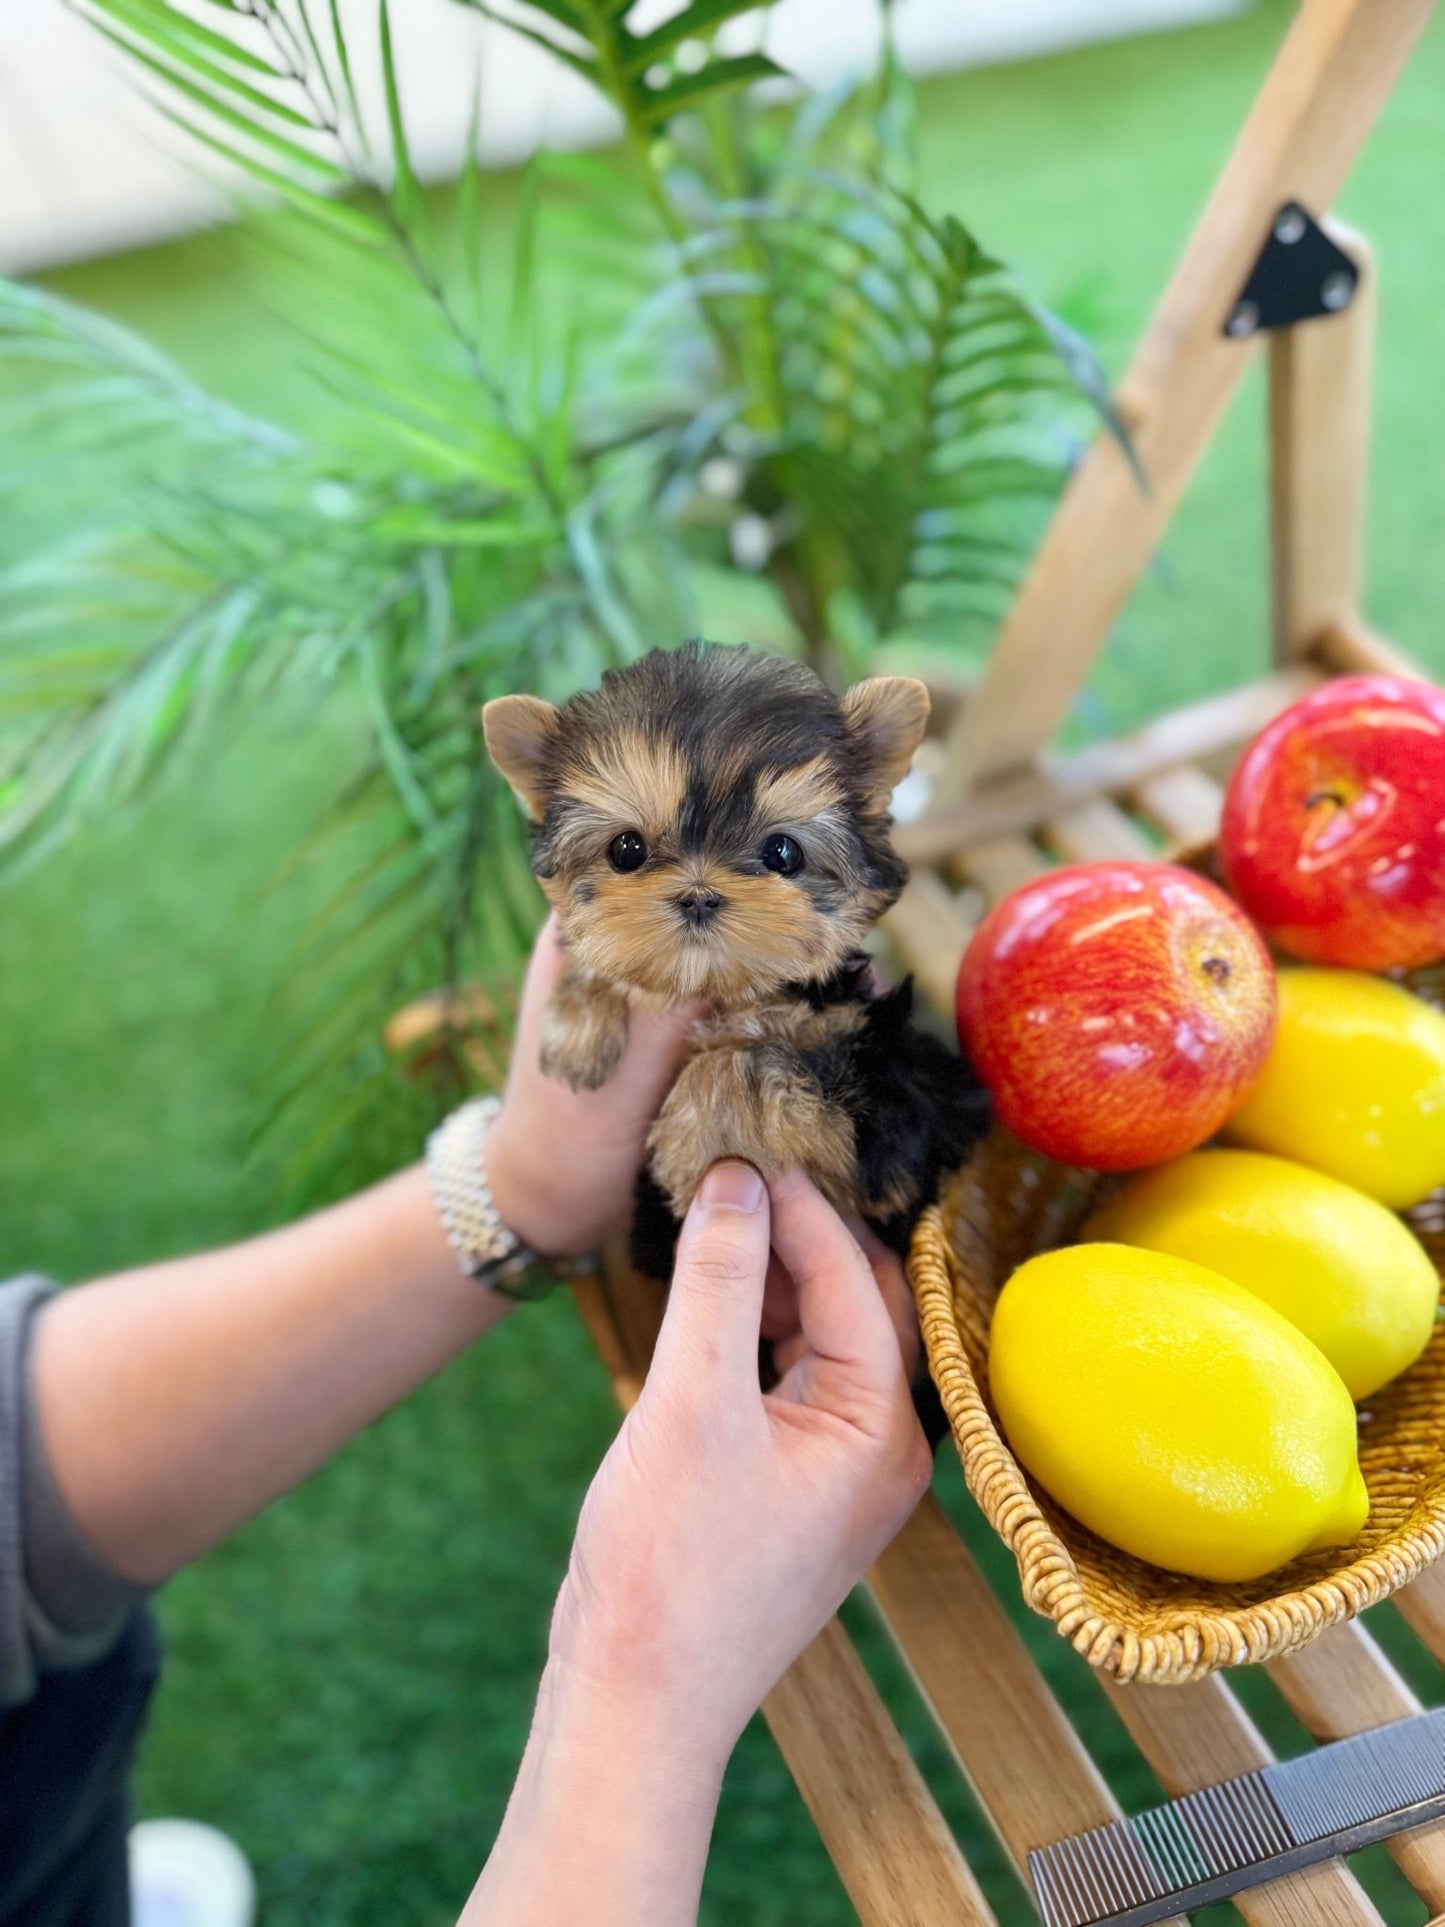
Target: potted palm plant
789, 403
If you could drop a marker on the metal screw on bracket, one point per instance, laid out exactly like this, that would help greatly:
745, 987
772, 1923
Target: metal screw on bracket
1298, 274
1243, 321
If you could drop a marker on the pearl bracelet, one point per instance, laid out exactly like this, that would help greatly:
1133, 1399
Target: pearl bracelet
486, 1248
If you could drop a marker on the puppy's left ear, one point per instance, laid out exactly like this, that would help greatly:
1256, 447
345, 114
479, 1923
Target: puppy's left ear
886, 717
518, 730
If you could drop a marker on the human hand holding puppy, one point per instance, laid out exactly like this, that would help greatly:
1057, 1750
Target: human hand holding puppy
723, 1529
562, 1163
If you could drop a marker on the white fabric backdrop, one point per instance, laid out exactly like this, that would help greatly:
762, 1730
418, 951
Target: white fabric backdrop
86, 167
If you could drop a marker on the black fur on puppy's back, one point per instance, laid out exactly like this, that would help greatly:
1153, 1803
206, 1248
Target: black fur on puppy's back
653, 1245
917, 1107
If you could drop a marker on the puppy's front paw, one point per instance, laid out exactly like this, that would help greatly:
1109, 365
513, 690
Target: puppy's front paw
759, 1104
584, 1032
711, 1112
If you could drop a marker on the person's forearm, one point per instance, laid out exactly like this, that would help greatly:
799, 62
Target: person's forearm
177, 1400
609, 1821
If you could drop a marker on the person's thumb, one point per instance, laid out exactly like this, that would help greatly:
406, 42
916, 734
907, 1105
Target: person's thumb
715, 1306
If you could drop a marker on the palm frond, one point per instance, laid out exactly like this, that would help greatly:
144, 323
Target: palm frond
506, 487
60, 340
640, 73
921, 409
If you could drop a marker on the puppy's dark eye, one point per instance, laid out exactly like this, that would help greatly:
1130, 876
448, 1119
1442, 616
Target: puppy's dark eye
627, 852
783, 854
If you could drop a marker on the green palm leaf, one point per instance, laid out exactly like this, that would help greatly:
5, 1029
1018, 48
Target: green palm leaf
510, 491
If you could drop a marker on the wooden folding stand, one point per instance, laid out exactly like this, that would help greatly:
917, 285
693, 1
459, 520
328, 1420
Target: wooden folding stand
1004, 808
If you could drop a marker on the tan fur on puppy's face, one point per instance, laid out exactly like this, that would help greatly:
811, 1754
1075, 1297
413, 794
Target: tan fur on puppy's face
630, 781
627, 928
708, 756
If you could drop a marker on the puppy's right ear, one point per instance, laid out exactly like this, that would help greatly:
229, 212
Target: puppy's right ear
518, 730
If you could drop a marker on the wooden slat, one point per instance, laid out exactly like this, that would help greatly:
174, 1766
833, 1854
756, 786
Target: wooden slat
1194, 1735
998, 865
1344, 1684
623, 1311
930, 934
1422, 1607
1350, 649
1097, 832
1024, 1760
881, 1826
946, 696
1319, 445
590, 1295
1059, 783
1332, 76
1184, 802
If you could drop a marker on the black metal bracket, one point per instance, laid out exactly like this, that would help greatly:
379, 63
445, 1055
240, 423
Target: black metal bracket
1300, 273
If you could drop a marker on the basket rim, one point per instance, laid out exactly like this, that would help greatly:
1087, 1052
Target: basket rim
1184, 1644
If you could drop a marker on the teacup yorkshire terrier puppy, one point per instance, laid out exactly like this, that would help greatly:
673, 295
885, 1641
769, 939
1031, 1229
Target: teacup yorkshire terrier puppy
711, 827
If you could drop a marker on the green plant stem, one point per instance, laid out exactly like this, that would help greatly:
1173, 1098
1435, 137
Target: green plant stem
759, 348
640, 141
756, 376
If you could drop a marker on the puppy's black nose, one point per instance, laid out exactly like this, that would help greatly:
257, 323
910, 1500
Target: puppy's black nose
699, 907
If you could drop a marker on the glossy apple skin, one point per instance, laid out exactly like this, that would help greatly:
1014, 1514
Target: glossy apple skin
1333, 834
1119, 1012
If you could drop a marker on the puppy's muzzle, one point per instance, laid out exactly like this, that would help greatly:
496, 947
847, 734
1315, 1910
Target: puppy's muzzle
698, 908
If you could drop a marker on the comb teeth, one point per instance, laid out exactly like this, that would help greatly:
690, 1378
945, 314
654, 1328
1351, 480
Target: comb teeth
1242, 1831
1071, 1878
1351, 1783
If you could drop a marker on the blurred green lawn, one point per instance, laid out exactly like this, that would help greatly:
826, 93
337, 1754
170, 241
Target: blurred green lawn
350, 1678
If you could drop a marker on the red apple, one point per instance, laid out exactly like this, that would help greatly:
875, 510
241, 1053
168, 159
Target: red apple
1333, 836
1119, 1012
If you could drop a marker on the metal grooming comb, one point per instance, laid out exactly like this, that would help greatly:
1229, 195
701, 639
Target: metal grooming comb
1212, 1843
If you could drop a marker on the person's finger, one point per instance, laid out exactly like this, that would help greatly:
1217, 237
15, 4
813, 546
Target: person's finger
780, 1301
787, 1351
887, 1268
714, 1308
790, 1344
840, 1308
898, 1298
547, 962
657, 1040
656, 1045
871, 1245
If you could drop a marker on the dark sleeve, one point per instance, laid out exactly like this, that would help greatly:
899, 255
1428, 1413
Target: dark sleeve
61, 1603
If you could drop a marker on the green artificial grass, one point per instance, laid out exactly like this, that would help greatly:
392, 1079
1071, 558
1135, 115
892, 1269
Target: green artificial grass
350, 1677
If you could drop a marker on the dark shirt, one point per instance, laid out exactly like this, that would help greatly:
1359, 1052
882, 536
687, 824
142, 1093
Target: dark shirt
61, 1604
78, 1657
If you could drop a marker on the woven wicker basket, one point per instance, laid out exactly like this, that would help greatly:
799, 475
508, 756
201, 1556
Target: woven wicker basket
1131, 1619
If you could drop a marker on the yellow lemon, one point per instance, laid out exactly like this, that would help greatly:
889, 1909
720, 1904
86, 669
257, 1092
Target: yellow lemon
1342, 1268
1354, 1084
1173, 1412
